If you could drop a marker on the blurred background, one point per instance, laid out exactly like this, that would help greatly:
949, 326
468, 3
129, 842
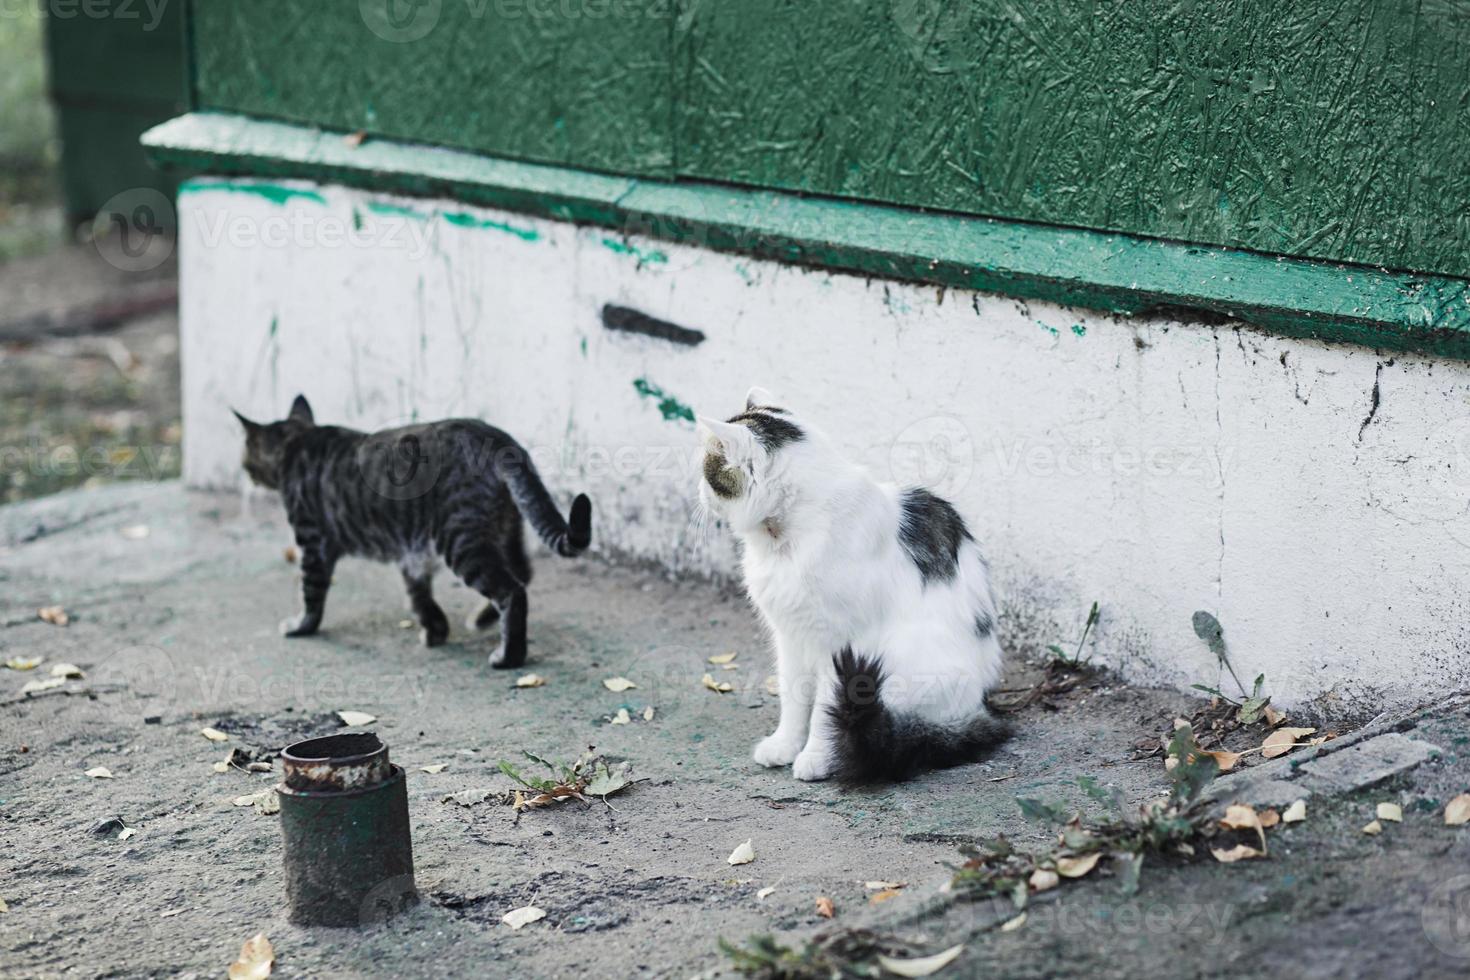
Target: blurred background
89, 388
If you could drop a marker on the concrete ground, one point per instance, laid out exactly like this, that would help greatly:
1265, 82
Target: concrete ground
173, 601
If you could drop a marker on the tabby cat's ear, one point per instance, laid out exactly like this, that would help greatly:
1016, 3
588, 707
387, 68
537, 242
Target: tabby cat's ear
249, 425
301, 410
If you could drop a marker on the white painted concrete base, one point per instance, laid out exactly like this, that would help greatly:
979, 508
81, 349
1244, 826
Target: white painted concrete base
1157, 467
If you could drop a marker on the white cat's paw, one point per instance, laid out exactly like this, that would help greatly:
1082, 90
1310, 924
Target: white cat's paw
776, 750
812, 766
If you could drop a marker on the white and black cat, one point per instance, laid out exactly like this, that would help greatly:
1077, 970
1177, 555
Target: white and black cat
877, 599
455, 490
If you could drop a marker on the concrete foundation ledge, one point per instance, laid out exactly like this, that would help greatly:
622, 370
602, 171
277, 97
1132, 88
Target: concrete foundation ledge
1312, 497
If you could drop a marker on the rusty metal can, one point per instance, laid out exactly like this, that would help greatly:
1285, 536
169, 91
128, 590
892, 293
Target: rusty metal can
344, 825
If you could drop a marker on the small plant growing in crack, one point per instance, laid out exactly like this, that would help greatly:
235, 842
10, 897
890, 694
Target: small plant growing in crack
1250, 706
1075, 659
1062, 672
590, 776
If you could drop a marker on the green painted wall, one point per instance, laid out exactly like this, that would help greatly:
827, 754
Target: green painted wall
486, 75
1332, 129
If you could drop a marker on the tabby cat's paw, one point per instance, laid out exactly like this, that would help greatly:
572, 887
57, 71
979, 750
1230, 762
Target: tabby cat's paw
813, 766
776, 750
302, 625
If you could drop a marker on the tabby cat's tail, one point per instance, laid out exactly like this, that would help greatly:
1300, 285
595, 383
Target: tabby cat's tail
876, 745
568, 538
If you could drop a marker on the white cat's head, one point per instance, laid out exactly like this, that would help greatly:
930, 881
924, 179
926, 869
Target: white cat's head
755, 463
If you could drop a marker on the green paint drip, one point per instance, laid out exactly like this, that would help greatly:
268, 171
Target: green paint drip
470, 221
584, 346
397, 211
654, 257
1049, 329
1079, 330
669, 407
275, 325
275, 193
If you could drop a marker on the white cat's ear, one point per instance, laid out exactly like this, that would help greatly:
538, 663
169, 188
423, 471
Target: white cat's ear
759, 398
722, 436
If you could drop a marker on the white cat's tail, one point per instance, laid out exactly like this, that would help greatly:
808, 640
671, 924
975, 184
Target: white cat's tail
875, 745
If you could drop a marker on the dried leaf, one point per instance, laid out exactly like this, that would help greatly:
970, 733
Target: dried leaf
1044, 880
126, 833
1273, 717
356, 718
607, 781
1011, 925
135, 532
1077, 867
1391, 812
719, 687
290, 554
1225, 760
622, 717
266, 802
221, 767
530, 680
773, 686
470, 797
256, 957
765, 893
1282, 741
744, 854
878, 886
24, 663
3, 906
354, 140
877, 898
55, 615
1238, 816
618, 685
50, 683
435, 768
67, 671
1239, 852
1295, 813
723, 658
825, 908
1269, 818
406, 624
100, 772
1373, 828
648, 713
259, 767
524, 916
1457, 811
923, 966
214, 734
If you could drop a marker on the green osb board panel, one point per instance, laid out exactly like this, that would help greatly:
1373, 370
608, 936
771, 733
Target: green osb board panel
516, 78
1317, 128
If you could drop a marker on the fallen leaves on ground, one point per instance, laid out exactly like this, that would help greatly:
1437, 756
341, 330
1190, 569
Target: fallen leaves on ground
719, 687
878, 886
1044, 880
723, 658
290, 554
468, 797
98, 772
825, 908
24, 663
3, 906
618, 685
1239, 816
1011, 925
878, 898
1225, 760
126, 833
922, 966
68, 672
1457, 811
435, 768
35, 687
588, 776
765, 893
354, 719
1239, 852
744, 854
621, 718
214, 734
524, 916
773, 686
648, 713
1283, 740
55, 615
1295, 813
1391, 812
1077, 867
254, 962
265, 803
530, 680
1269, 818
1372, 828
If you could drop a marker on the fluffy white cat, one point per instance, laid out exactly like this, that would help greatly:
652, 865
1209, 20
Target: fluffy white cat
877, 599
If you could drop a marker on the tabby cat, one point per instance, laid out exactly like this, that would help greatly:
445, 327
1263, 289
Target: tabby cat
455, 490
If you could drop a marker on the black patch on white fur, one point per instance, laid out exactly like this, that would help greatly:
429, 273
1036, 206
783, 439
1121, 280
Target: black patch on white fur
984, 625
931, 531
875, 745
771, 432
